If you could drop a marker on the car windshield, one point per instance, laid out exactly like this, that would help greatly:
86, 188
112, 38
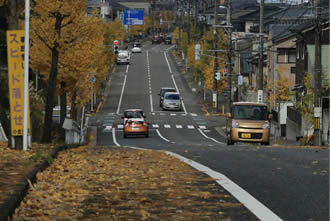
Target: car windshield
249, 112
133, 114
172, 96
123, 54
163, 91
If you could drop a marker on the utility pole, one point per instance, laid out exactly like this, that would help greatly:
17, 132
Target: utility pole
260, 85
195, 21
317, 77
229, 43
215, 65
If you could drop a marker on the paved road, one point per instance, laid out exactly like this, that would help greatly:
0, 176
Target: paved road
292, 183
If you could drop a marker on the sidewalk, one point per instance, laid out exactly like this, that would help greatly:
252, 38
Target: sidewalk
109, 183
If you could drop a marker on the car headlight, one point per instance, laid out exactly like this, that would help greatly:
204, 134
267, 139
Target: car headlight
266, 125
235, 124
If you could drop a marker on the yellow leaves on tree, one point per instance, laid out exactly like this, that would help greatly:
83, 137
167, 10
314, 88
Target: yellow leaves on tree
282, 90
136, 30
208, 74
80, 44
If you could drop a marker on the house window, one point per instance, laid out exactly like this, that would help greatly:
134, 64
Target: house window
286, 55
281, 55
292, 55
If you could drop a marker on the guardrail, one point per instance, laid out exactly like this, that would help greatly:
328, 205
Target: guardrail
74, 134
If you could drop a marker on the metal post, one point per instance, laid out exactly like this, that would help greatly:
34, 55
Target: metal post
317, 77
229, 42
215, 65
260, 85
26, 73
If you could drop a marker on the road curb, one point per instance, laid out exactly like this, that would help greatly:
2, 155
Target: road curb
7, 208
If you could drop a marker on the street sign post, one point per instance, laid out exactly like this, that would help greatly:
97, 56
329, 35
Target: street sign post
133, 17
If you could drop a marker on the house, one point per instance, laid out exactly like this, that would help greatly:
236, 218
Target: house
305, 63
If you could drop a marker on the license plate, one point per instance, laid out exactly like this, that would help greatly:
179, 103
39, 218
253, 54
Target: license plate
246, 135
135, 128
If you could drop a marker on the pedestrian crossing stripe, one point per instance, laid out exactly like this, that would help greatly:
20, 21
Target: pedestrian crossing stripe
173, 114
167, 126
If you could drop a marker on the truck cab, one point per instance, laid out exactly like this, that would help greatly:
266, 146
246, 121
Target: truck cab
248, 122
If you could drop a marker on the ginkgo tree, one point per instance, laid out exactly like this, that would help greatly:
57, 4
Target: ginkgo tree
66, 47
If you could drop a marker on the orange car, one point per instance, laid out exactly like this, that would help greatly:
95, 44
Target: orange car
136, 126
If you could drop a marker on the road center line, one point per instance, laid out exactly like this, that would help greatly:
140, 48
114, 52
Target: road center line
168, 64
177, 89
256, 207
150, 89
207, 137
161, 136
121, 95
127, 68
114, 137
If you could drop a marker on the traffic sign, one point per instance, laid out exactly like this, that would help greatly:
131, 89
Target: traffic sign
240, 80
133, 17
217, 76
197, 52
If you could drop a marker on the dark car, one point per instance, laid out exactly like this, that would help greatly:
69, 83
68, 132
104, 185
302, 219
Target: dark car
168, 40
162, 91
156, 39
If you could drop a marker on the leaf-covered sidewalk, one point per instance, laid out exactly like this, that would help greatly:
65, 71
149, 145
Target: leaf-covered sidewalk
105, 183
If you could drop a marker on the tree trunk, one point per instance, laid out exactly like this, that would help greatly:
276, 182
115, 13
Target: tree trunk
12, 15
73, 105
51, 91
47, 132
63, 110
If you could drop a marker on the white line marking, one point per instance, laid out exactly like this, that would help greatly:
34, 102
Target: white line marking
114, 137
168, 64
177, 89
170, 48
153, 113
256, 207
127, 68
162, 136
120, 126
191, 127
173, 114
178, 126
155, 126
167, 126
162, 114
121, 95
202, 127
207, 137
194, 115
151, 105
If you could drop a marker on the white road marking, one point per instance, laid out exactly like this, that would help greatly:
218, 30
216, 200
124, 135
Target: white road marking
177, 89
191, 127
170, 48
121, 95
153, 113
151, 105
155, 126
168, 64
127, 68
256, 207
178, 126
114, 137
194, 115
167, 126
162, 114
161, 136
120, 126
202, 127
173, 114
207, 137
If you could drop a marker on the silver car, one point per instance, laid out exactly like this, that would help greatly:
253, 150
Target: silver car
172, 101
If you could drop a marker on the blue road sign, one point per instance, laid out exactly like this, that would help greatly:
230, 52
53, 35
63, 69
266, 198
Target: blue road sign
133, 17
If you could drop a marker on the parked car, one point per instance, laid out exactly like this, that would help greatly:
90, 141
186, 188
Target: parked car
162, 91
133, 113
123, 57
248, 122
172, 101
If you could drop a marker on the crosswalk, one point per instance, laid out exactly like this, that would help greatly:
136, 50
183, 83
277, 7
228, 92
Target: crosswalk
174, 114
157, 126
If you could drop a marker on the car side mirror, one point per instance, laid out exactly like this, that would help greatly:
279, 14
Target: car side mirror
228, 115
270, 116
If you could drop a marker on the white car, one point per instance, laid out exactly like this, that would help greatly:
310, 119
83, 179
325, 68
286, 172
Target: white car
136, 49
123, 57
